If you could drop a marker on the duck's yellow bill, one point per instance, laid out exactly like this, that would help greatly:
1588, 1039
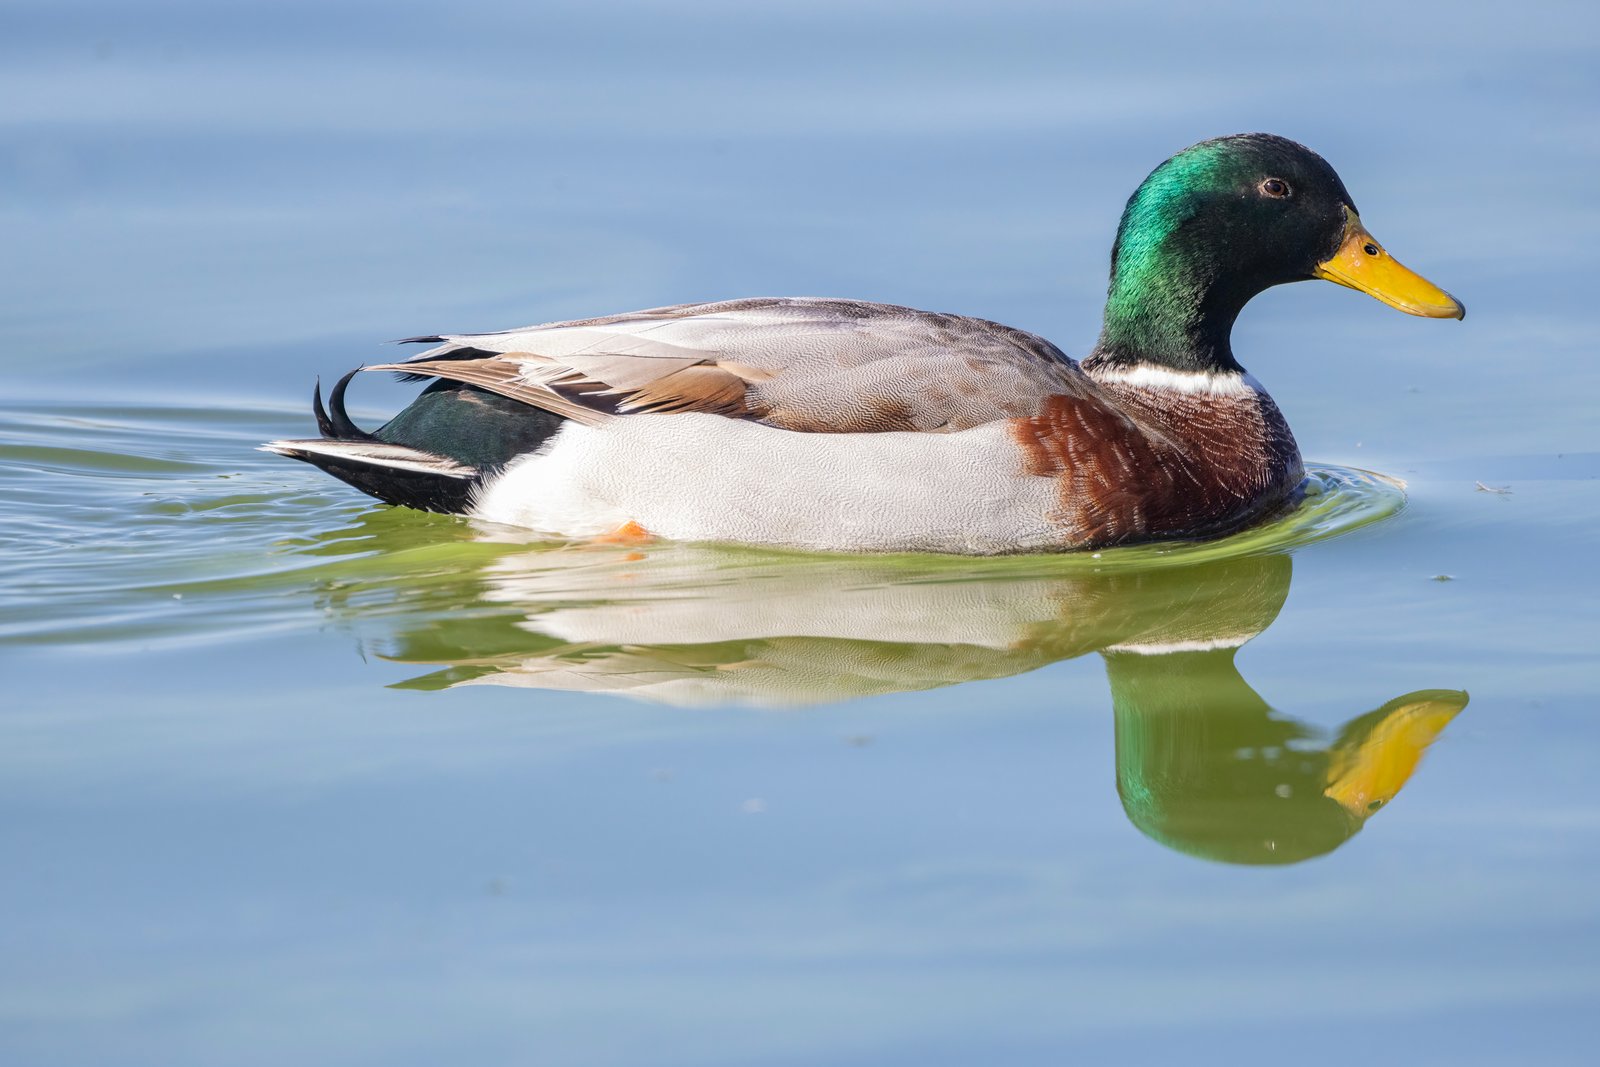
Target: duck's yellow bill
1362, 263
1366, 772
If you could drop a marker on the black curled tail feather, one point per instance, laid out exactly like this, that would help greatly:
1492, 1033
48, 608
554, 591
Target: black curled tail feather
334, 422
324, 424
432, 456
391, 471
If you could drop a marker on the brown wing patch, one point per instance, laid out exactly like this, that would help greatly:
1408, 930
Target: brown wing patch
503, 377
711, 389
590, 388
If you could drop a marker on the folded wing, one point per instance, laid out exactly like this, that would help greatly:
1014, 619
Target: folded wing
822, 366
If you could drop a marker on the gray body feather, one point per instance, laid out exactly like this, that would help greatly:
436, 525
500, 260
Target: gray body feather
808, 364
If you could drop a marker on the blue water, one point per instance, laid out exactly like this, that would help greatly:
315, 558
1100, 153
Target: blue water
286, 776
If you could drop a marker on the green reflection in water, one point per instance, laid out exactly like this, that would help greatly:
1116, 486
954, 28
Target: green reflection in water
1206, 767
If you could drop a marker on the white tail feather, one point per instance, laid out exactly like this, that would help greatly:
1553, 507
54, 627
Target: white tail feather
377, 453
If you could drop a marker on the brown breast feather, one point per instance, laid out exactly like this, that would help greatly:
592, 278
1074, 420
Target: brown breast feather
1135, 465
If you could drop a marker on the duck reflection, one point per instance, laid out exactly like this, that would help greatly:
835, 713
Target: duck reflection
1204, 765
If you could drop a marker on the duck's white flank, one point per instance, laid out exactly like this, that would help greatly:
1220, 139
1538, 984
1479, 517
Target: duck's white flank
1206, 383
708, 478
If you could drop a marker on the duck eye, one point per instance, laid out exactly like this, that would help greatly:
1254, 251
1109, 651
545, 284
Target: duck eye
1276, 188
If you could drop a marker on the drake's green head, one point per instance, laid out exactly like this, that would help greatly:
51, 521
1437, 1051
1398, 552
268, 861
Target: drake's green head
1220, 222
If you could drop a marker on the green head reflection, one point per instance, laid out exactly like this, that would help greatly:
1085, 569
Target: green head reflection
1206, 767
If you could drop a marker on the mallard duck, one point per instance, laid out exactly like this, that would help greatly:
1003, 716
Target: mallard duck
847, 426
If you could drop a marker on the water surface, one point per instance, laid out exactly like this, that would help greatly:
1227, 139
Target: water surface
289, 776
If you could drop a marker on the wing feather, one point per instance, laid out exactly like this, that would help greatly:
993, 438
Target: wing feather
804, 364
499, 376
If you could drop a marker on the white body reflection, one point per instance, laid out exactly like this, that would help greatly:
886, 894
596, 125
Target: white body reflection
1204, 765
692, 625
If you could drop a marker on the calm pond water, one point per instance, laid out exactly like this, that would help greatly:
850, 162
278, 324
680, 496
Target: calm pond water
286, 776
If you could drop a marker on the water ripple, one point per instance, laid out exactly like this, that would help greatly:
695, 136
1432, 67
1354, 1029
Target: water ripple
162, 522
